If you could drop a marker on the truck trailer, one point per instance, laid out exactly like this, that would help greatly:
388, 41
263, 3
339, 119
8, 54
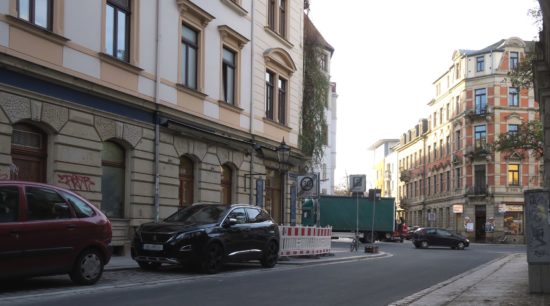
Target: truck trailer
353, 213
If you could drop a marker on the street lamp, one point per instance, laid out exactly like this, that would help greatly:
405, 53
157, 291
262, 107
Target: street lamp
283, 153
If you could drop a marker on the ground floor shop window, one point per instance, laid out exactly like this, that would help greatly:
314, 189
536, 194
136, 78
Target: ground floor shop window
113, 180
513, 222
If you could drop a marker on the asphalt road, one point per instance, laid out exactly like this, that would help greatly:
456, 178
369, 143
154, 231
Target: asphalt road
368, 282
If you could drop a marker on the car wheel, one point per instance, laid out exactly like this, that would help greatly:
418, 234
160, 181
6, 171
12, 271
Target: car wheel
424, 244
271, 255
213, 258
416, 245
88, 268
460, 245
149, 265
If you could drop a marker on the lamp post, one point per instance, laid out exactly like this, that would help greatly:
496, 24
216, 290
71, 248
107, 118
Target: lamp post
283, 154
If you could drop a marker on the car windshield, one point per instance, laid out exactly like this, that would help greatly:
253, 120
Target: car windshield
198, 214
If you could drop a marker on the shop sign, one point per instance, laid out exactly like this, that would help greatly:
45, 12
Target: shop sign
514, 208
501, 208
458, 208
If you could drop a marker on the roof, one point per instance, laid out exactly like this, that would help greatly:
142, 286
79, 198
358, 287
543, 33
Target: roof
311, 31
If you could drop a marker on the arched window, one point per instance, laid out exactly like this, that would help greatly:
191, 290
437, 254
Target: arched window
226, 184
187, 179
28, 149
113, 180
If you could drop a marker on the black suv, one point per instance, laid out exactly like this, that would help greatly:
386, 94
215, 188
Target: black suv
207, 235
432, 236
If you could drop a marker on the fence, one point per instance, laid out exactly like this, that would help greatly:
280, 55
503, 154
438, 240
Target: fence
304, 240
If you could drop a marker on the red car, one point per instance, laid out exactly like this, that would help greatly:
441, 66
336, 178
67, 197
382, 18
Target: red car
47, 230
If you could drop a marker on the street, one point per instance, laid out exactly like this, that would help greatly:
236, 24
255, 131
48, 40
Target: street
375, 281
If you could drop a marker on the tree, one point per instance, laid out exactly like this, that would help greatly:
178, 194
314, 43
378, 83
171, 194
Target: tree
529, 137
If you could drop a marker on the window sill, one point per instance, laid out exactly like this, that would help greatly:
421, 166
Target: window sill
276, 124
119, 63
36, 30
230, 107
191, 91
279, 37
236, 7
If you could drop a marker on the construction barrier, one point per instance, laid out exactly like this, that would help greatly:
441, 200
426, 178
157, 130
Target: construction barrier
304, 240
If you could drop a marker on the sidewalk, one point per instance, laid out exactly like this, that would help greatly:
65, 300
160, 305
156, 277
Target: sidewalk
501, 282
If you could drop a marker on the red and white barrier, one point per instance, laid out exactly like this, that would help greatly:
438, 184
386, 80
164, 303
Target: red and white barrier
304, 240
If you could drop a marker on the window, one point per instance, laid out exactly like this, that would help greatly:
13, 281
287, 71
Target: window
513, 219
457, 105
480, 134
481, 101
228, 72
448, 145
281, 101
435, 183
226, 184
448, 181
480, 64
513, 175
429, 153
441, 182
435, 151
113, 180
458, 140
117, 29
82, 209
277, 16
514, 60
447, 111
457, 71
187, 181
513, 129
9, 204
38, 12
189, 56
45, 204
29, 153
269, 98
458, 178
282, 18
441, 148
513, 96
323, 62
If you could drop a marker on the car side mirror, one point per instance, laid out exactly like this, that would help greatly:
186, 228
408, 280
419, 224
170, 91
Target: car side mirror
230, 222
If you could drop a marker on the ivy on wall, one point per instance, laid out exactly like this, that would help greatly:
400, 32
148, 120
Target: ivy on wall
315, 99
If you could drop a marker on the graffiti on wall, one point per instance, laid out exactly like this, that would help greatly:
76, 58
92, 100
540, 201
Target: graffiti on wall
76, 182
538, 229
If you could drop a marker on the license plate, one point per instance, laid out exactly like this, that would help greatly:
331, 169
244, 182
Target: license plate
153, 247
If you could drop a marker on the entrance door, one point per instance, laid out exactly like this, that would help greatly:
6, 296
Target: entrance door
273, 203
28, 151
481, 217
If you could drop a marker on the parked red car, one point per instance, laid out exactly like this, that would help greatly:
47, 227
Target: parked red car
47, 230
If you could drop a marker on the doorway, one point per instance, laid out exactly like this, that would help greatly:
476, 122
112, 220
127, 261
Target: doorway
481, 217
28, 153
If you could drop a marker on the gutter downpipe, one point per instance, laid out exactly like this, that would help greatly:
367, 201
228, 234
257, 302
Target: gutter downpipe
251, 128
157, 117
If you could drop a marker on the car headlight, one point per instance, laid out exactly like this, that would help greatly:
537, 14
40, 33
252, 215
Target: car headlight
189, 235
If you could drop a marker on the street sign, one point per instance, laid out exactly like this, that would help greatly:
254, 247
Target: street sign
308, 186
358, 183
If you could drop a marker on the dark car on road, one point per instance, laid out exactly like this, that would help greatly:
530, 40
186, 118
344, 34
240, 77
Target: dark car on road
425, 237
206, 236
47, 230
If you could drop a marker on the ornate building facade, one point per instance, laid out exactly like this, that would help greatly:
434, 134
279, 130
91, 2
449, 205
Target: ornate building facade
449, 174
146, 106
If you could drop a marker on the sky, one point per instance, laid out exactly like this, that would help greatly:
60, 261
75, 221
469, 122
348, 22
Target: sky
388, 54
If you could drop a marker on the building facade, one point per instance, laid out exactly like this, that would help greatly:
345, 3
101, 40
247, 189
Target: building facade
384, 174
143, 107
450, 176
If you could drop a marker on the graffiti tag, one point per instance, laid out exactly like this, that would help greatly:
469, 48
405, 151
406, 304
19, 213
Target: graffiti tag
76, 182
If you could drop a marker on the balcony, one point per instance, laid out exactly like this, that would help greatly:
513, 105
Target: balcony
480, 113
477, 191
479, 151
405, 176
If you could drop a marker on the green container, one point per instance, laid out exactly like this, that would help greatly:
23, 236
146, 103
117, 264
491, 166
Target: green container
340, 212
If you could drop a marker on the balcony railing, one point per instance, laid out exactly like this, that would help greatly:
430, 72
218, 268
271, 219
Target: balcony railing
478, 191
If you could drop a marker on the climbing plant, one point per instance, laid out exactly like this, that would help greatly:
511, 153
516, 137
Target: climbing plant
315, 98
